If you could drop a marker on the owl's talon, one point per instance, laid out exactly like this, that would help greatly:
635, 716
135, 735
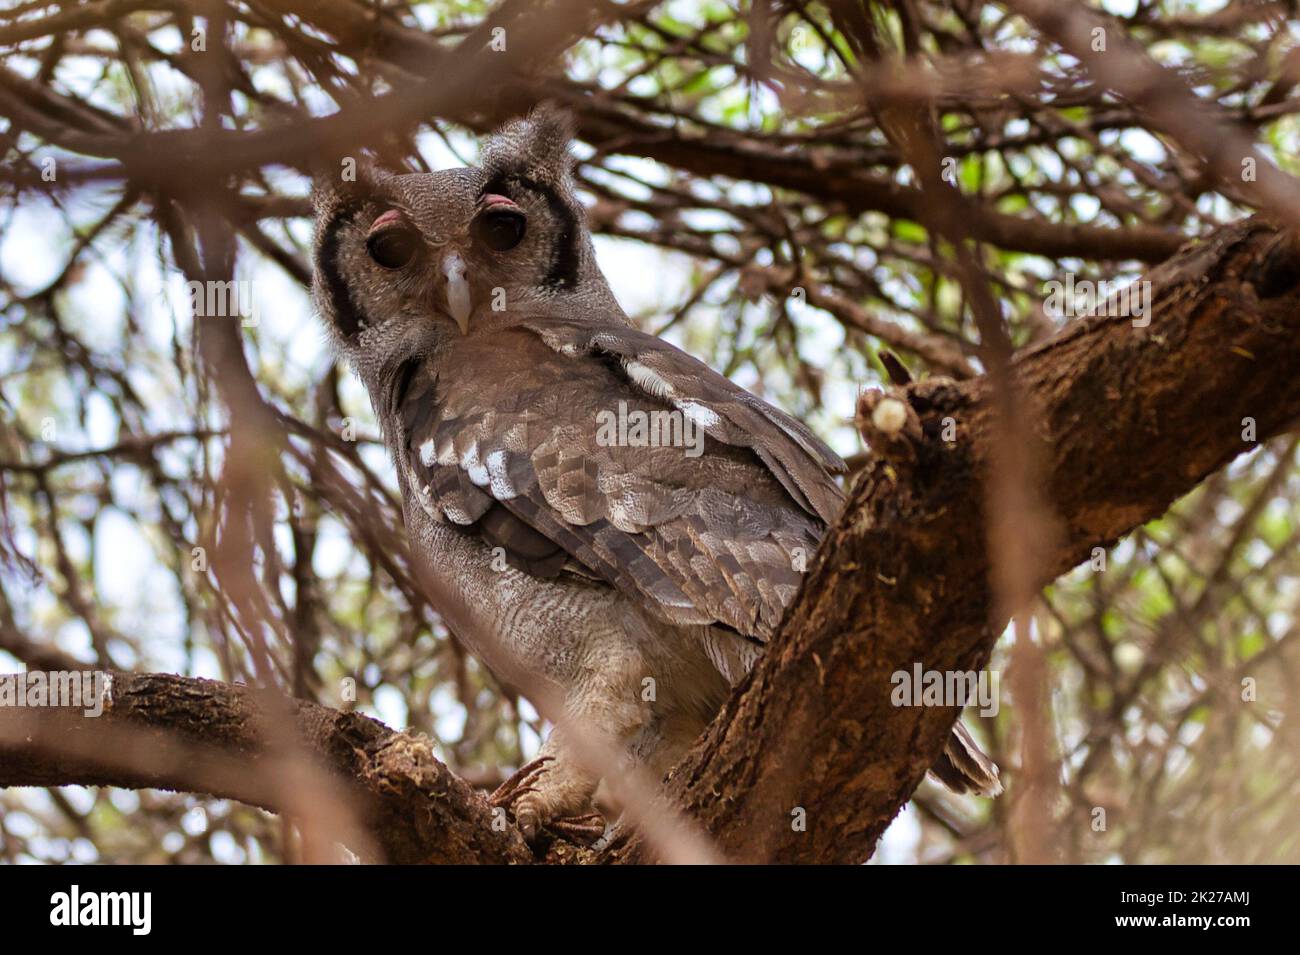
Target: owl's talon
520, 783
583, 830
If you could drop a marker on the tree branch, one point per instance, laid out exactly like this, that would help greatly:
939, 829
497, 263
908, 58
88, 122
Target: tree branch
451, 83
170, 732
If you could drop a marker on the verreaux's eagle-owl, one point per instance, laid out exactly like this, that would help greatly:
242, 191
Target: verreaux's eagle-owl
577, 562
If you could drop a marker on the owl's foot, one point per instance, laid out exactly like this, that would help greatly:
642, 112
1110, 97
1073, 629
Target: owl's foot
521, 782
582, 830
542, 795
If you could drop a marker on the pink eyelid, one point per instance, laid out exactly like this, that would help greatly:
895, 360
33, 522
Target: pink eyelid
492, 200
387, 218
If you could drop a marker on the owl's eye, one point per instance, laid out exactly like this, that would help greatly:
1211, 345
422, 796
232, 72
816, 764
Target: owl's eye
500, 229
393, 248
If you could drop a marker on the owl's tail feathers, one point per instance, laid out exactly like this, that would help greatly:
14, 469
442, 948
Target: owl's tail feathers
963, 767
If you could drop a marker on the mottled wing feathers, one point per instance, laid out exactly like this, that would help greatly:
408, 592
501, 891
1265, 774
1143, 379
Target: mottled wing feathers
730, 414
507, 439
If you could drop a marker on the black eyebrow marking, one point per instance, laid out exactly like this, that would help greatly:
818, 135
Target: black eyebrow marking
563, 273
347, 315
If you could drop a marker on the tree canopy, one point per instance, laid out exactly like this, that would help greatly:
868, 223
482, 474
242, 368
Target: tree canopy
972, 209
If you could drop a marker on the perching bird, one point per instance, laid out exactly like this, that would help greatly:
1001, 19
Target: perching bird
634, 580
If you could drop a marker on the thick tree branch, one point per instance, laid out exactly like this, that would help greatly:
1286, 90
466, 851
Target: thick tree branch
171, 732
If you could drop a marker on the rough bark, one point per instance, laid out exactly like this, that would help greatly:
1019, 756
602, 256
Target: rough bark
178, 733
1127, 420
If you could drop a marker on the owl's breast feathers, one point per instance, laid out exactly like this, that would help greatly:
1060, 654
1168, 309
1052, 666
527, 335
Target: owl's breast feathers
522, 436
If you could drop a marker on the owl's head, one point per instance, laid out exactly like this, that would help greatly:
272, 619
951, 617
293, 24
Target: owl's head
404, 260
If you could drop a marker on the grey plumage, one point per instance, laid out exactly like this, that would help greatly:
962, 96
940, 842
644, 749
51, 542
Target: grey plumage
470, 303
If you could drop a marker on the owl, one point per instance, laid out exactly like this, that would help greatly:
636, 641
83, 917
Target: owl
606, 522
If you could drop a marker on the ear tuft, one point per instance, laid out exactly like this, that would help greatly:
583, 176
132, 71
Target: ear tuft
342, 180
553, 123
536, 145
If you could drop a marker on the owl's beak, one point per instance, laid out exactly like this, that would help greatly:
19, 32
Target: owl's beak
459, 303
